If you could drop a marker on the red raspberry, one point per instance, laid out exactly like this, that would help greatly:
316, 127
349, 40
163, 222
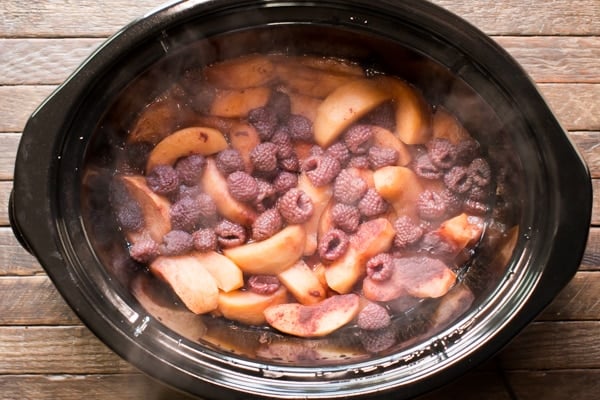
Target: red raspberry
285, 181
295, 206
431, 206
186, 214
266, 224
345, 217
208, 209
347, 188
205, 240
373, 317
264, 157
358, 138
264, 120
407, 232
230, 234
383, 116
361, 161
340, 152
466, 151
333, 245
229, 160
300, 128
130, 216
290, 164
380, 267
424, 168
242, 186
382, 157
282, 139
176, 243
458, 179
372, 204
321, 170
190, 169
144, 250
163, 180
378, 340
480, 172
266, 195
442, 153
263, 284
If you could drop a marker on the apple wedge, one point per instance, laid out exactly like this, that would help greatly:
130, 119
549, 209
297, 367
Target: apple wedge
385, 138
446, 126
241, 73
215, 185
237, 103
303, 283
270, 256
190, 280
315, 320
455, 303
227, 275
155, 209
332, 65
399, 186
158, 120
248, 307
344, 106
244, 138
320, 197
462, 230
185, 142
309, 81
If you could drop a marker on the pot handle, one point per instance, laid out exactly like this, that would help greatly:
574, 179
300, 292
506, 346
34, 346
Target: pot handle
15, 225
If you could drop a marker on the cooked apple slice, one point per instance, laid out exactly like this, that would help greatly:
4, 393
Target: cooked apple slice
190, 280
310, 81
385, 138
303, 105
315, 320
320, 63
158, 120
185, 142
400, 186
270, 256
446, 126
413, 116
320, 197
227, 275
462, 230
344, 106
303, 283
244, 138
455, 303
215, 185
326, 221
248, 307
241, 73
155, 209
237, 103
373, 237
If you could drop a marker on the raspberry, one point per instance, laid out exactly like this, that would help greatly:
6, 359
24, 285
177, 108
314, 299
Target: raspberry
208, 208
136, 155
436, 245
382, 157
266, 194
453, 201
185, 214
466, 151
373, 317
266, 225
321, 170
381, 267
383, 116
176, 243
316, 150
424, 168
458, 179
300, 128
285, 181
361, 162
372, 204
230, 234
163, 180
431, 206
189, 169
340, 152
242, 186
442, 153
187, 191
295, 206
407, 232
281, 105
478, 193
358, 138
347, 188
144, 250
345, 217
290, 164
263, 284
282, 139
480, 172
378, 340
333, 245
264, 157
130, 216
475, 207
205, 240
229, 160
264, 120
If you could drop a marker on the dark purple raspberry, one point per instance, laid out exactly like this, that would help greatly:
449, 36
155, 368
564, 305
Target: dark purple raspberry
383, 116
380, 267
442, 153
358, 138
316, 150
407, 232
333, 245
478, 193
176, 243
345, 217
378, 340
263, 284
425, 169
300, 128
458, 179
285, 181
266, 195
340, 152
453, 201
431, 206
321, 170
230, 234
347, 188
130, 216
475, 207
295, 206
163, 180
208, 209
480, 172
186, 214
372, 204
282, 139
264, 120
264, 157
466, 151
361, 161
144, 250
382, 157
290, 164
137, 154
205, 240
373, 317
267, 224
436, 245
242, 186
187, 191
229, 160
281, 105
190, 169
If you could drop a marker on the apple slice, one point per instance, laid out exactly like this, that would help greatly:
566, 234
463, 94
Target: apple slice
315, 320
185, 142
237, 103
373, 237
462, 230
190, 280
332, 65
158, 120
270, 256
400, 186
241, 73
155, 209
227, 275
320, 197
244, 138
303, 283
344, 106
385, 138
215, 185
248, 307
455, 303
446, 126
310, 81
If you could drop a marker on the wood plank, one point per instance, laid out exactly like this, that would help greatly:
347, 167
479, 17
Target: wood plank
5, 188
475, 385
17, 103
577, 301
588, 144
582, 384
14, 259
554, 345
9, 144
596, 202
591, 256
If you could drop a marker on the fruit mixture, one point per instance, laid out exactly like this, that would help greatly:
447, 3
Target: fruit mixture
300, 193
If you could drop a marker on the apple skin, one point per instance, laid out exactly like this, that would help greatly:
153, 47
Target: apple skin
230, 103
248, 307
241, 73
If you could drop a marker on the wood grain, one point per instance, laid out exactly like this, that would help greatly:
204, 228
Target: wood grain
14, 259
577, 301
555, 385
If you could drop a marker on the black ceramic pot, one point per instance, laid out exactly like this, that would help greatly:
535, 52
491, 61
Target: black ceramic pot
531, 249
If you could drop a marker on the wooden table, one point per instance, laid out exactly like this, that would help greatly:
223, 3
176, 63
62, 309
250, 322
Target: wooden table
45, 351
